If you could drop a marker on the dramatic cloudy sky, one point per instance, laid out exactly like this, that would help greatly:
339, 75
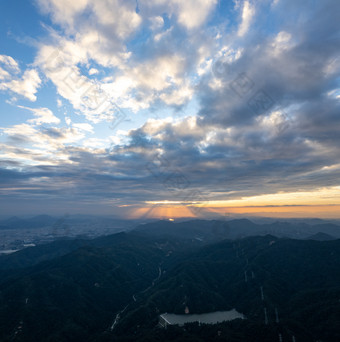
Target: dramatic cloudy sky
170, 108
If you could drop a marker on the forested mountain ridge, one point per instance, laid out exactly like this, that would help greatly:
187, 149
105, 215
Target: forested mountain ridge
74, 291
297, 279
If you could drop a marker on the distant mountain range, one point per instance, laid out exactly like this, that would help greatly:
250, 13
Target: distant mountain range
114, 288
295, 228
41, 221
235, 229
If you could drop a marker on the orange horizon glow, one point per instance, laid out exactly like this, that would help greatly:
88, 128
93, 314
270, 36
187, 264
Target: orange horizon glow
319, 203
176, 212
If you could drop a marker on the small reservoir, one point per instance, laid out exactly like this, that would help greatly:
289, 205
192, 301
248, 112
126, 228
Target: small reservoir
205, 318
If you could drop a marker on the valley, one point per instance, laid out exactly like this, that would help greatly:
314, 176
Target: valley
116, 287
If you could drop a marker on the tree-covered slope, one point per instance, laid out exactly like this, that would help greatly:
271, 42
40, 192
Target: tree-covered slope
76, 290
71, 297
295, 281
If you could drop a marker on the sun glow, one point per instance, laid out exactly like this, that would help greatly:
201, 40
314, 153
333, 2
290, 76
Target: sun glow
323, 202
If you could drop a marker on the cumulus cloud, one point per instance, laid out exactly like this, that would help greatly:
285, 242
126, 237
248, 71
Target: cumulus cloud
262, 111
97, 31
193, 13
27, 85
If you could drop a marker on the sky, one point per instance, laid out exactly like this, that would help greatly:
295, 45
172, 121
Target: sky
170, 108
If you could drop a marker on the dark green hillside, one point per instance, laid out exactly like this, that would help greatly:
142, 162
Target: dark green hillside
71, 297
198, 230
33, 255
75, 290
299, 279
